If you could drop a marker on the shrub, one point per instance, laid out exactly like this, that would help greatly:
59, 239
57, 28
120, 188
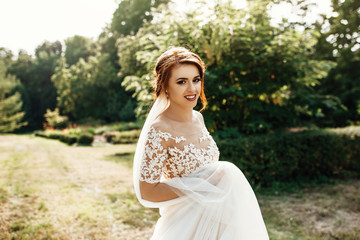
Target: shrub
127, 126
103, 130
68, 138
123, 137
52, 134
54, 119
295, 158
85, 138
127, 112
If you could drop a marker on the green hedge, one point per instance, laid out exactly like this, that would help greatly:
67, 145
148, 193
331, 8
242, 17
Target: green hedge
118, 127
85, 138
295, 158
69, 138
123, 137
53, 134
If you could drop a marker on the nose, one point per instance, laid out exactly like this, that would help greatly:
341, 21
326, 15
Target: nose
191, 87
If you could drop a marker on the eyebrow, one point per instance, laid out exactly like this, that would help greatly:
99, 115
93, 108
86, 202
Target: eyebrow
182, 78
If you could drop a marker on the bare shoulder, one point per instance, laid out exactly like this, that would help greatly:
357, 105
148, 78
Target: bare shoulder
160, 124
199, 116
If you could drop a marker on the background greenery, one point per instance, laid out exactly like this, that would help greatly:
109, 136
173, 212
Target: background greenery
260, 76
288, 161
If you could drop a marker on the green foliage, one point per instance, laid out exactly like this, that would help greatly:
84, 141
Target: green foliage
52, 134
78, 47
11, 116
54, 119
69, 137
131, 14
278, 160
123, 137
259, 77
128, 18
343, 27
127, 111
49, 48
6, 56
344, 83
85, 138
119, 126
339, 41
92, 89
116, 133
35, 74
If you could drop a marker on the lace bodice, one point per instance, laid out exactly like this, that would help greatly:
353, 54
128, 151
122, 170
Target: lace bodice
171, 156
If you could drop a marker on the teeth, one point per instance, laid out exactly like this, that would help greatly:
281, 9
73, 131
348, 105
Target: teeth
190, 96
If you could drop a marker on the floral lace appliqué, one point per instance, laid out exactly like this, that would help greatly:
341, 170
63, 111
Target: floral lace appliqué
159, 159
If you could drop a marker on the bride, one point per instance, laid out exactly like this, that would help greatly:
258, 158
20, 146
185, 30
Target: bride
177, 167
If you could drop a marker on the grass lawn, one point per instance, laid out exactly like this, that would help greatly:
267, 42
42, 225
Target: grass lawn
49, 190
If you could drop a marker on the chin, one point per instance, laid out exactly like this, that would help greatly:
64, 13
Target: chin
193, 104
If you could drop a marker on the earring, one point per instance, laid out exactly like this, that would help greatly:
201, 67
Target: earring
167, 95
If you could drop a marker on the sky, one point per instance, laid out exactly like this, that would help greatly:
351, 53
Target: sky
25, 24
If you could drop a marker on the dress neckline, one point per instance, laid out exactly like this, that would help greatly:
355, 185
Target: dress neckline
178, 128
203, 131
180, 122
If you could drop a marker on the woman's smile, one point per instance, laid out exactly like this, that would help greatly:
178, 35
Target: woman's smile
185, 82
191, 97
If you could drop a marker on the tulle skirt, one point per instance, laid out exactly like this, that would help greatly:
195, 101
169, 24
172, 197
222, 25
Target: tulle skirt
216, 203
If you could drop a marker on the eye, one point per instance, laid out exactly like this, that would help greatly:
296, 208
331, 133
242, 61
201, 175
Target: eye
197, 80
180, 82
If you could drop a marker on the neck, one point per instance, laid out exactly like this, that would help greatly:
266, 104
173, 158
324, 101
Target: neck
179, 114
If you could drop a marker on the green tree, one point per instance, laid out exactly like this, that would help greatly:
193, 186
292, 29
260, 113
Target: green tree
92, 89
130, 15
339, 41
259, 77
21, 68
128, 18
77, 47
6, 56
50, 48
35, 74
11, 116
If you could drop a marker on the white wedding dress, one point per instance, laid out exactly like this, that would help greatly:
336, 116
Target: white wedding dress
216, 201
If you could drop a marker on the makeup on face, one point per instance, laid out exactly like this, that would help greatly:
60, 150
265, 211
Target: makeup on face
184, 84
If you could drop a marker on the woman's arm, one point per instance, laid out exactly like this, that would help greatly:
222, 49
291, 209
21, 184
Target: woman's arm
156, 192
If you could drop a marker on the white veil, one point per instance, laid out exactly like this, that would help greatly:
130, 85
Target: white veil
161, 104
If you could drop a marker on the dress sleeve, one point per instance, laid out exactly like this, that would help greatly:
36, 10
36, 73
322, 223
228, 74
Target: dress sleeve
154, 157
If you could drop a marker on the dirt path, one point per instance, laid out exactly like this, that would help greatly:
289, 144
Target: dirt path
49, 189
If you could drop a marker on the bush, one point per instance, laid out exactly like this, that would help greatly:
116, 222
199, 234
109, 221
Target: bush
295, 158
85, 138
119, 126
54, 119
52, 134
127, 126
68, 138
123, 137
127, 112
